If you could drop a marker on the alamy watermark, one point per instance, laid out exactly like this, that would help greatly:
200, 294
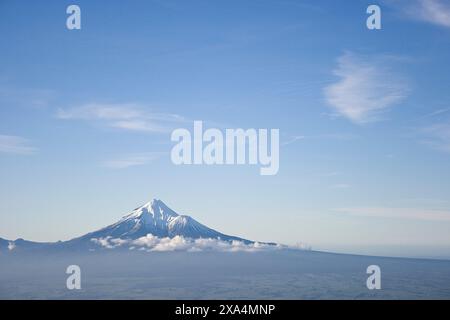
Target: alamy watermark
73, 21
374, 280
234, 147
373, 22
73, 281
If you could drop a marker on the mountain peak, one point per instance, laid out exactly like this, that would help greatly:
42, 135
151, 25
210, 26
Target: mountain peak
154, 212
154, 218
157, 209
156, 201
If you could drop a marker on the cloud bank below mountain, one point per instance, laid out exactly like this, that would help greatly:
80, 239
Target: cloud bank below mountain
151, 243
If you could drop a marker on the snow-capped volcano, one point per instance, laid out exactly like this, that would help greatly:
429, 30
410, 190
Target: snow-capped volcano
151, 224
157, 219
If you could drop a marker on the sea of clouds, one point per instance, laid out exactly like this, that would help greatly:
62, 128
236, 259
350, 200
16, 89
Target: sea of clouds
179, 243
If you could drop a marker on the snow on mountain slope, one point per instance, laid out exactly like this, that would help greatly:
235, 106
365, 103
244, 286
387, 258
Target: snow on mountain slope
154, 223
159, 220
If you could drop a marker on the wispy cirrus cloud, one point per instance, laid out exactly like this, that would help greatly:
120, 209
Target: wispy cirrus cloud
132, 160
397, 213
131, 117
366, 88
292, 140
25, 97
437, 136
438, 112
16, 145
326, 136
433, 11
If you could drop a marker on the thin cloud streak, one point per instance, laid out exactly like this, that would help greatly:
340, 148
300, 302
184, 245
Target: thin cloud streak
437, 136
16, 145
130, 117
293, 140
397, 213
28, 98
340, 186
133, 160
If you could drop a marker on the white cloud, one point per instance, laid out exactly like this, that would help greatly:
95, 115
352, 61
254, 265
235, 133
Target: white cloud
433, 11
104, 242
132, 117
15, 145
178, 243
132, 160
11, 246
366, 88
398, 213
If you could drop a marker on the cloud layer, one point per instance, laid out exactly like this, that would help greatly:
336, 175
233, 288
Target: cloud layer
178, 243
366, 88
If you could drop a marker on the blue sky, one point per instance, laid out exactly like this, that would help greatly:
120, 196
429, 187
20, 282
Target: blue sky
364, 118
